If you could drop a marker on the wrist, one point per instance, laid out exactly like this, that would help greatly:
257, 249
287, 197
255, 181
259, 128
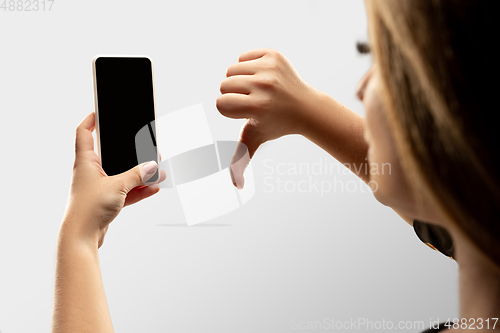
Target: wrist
309, 110
75, 229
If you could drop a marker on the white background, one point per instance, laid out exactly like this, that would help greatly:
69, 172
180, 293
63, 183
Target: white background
281, 258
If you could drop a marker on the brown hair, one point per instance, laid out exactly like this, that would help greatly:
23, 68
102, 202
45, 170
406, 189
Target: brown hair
438, 74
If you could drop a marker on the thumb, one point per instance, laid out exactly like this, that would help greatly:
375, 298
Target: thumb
249, 142
138, 175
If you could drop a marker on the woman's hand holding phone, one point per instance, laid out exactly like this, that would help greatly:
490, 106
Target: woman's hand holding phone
96, 199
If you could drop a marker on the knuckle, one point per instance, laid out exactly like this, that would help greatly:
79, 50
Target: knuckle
272, 81
274, 59
271, 52
267, 81
262, 103
274, 63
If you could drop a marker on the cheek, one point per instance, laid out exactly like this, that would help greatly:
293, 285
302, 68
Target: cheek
387, 179
377, 133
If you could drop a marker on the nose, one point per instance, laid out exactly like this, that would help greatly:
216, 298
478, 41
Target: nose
360, 90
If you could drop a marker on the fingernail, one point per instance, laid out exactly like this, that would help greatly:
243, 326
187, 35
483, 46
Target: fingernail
240, 183
150, 167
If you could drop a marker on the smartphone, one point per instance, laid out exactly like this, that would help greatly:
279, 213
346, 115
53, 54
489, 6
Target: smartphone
124, 105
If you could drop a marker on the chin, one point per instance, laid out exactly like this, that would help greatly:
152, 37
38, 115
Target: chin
399, 202
379, 195
387, 197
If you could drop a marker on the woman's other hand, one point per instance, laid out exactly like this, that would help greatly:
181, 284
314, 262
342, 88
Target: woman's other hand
264, 88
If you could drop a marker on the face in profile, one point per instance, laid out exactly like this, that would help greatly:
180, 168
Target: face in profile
387, 177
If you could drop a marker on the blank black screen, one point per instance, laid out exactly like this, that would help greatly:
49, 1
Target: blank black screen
125, 104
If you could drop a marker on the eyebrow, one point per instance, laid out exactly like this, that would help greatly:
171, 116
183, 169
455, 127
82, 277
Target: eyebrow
363, 47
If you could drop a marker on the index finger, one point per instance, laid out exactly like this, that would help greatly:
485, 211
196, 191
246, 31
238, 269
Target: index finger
84, 140
252, 55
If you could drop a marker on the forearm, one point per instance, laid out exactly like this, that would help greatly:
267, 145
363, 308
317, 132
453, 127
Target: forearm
336, 129
80, 303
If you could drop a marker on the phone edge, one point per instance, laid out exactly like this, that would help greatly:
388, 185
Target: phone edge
154, 120
96, 108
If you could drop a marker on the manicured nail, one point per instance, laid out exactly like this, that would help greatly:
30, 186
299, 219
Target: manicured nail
150, 167
240, 183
